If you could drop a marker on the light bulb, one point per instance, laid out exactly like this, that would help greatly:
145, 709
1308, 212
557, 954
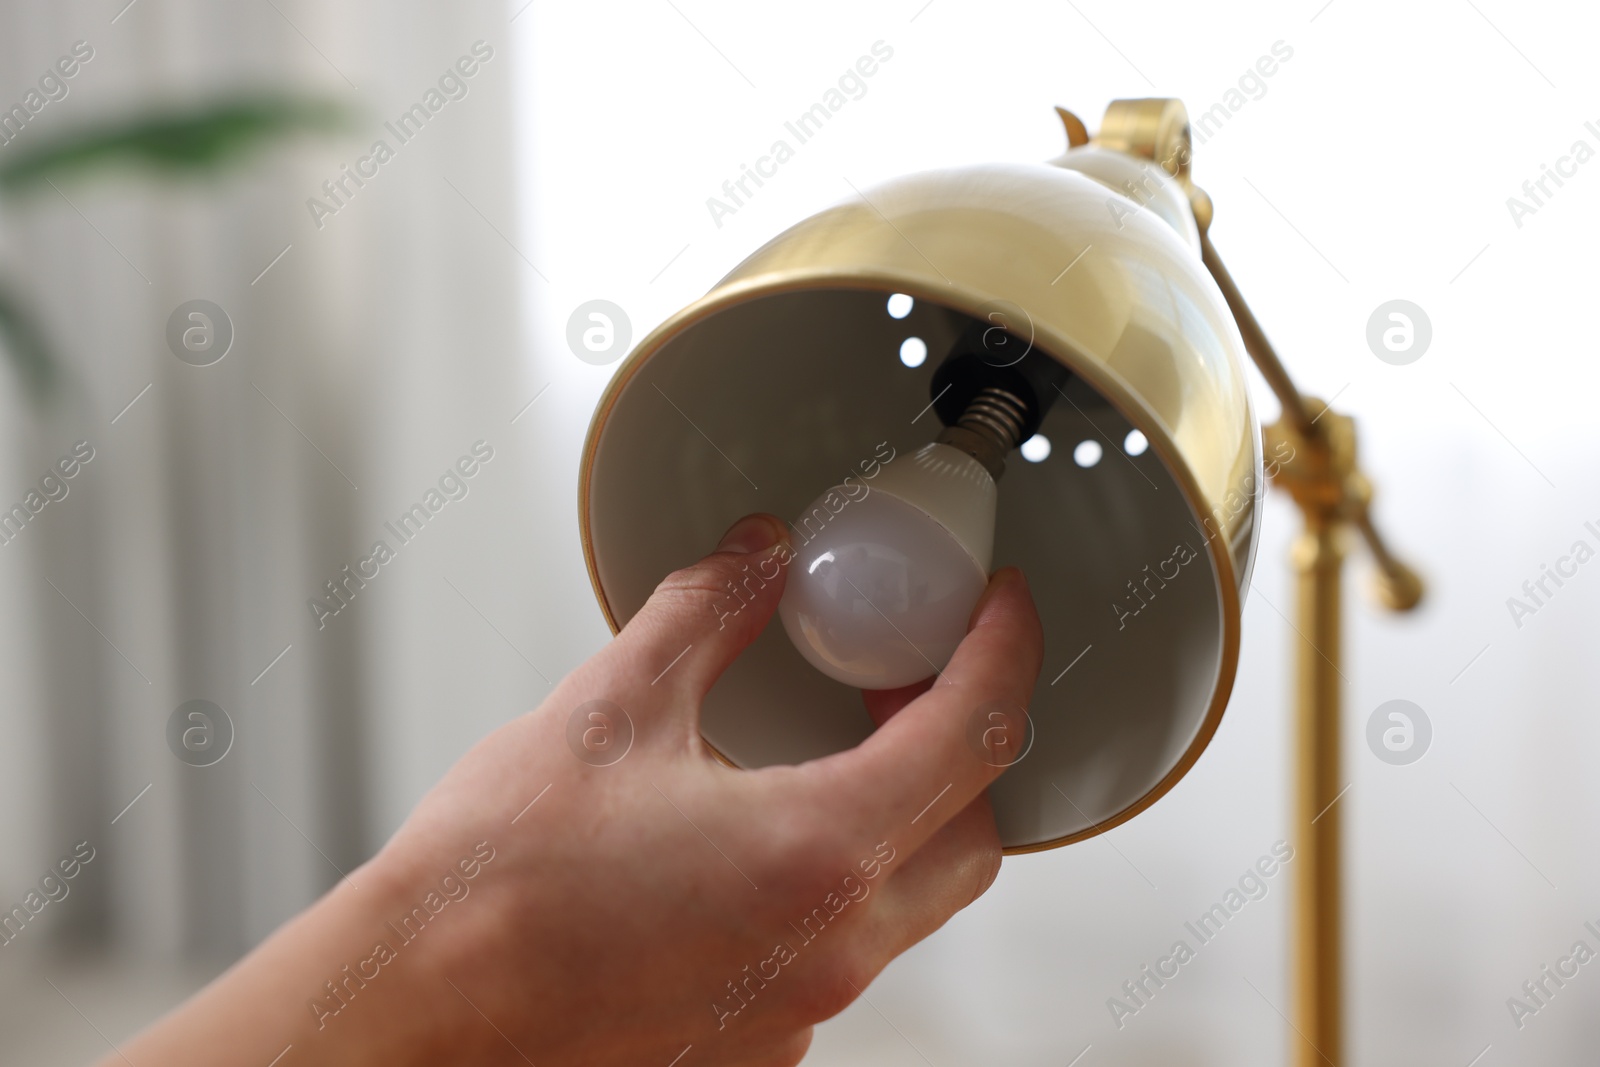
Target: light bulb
886, 572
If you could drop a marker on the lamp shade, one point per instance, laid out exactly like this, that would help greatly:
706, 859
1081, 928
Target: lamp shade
1136, 532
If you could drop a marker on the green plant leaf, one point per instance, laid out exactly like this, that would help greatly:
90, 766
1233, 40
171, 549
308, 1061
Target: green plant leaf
24, 343
193, 140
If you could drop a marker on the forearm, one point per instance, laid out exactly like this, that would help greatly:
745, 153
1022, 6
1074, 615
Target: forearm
301, 994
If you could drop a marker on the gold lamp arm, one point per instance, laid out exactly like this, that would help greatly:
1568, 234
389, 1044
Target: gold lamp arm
1255, 339
1158, 130
1399, 587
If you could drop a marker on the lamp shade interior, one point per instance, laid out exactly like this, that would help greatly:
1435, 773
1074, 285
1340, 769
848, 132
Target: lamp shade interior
763, 403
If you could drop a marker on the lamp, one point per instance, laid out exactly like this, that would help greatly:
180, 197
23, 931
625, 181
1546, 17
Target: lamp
812, 360
788, 376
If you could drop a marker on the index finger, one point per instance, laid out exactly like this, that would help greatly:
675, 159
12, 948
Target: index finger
920, 768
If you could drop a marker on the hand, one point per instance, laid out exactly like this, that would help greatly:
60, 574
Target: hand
660, 903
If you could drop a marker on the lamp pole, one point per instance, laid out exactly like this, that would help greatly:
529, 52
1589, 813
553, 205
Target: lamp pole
1326, 483
1318, 909
1318, 965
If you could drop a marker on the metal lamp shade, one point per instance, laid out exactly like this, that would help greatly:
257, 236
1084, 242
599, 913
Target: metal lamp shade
787, 376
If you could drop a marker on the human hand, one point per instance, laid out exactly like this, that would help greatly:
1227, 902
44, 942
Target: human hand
665, 905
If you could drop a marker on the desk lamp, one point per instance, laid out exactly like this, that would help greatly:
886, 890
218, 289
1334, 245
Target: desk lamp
1008, 364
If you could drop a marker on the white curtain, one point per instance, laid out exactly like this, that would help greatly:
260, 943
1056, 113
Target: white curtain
369, 354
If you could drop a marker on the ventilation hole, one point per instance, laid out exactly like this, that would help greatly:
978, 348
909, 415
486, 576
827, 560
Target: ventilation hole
1036, 449
1135, 443
913, 351
899, 306
1087, 454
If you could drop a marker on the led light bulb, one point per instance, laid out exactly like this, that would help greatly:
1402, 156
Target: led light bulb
886, 573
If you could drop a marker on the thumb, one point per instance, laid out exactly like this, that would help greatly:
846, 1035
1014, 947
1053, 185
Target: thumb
701, 617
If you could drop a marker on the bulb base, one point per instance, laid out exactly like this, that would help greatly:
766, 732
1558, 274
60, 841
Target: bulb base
990, 426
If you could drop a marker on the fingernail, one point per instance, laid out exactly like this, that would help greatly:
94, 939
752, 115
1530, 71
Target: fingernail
750, 534
999, 580
1003, 577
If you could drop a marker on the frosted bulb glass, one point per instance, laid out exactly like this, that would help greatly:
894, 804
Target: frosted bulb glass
887, 571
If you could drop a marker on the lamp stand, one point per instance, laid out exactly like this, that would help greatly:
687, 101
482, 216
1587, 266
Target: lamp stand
1326, 483
1318, 962
1318, 916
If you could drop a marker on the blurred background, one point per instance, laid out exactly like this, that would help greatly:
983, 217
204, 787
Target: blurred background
376, 330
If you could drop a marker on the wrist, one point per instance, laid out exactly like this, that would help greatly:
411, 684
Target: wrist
385, 994
314, 987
